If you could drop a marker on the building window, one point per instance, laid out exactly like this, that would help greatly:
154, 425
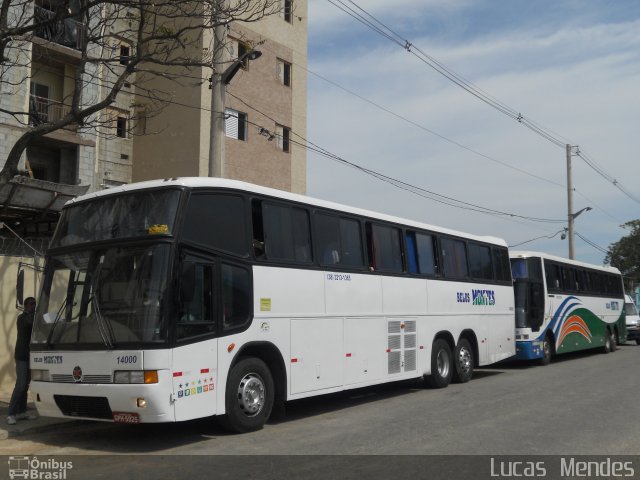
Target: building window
125, 54
283, 135
284, 72
121, 127
235, 124
287, 11
237, 49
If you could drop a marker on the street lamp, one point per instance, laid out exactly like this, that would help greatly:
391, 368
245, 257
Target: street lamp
571, 231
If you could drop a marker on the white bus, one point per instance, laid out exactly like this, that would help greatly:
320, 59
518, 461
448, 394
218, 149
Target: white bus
563, 306
172, 300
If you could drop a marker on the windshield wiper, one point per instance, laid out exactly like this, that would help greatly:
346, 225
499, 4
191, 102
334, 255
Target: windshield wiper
104, 324
56, 320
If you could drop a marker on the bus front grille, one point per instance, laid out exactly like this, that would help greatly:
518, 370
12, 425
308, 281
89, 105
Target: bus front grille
88, 407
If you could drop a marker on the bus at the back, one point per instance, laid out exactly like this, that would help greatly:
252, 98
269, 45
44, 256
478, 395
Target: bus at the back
564, 306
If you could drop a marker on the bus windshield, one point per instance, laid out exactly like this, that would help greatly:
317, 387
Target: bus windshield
111, 297
528, 291
129, 215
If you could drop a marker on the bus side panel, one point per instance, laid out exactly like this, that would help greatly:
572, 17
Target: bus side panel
195, 380
316, 354
365, 358
580, 323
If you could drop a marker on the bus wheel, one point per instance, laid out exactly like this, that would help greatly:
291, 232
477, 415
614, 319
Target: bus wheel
637, 341
463, 362
609, 342
441, 365
249, 396
614, 341
546, 351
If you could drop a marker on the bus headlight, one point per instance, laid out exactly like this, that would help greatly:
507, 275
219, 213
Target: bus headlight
136, 376
38, 375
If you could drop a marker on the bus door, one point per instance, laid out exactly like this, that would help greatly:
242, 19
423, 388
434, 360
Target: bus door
195, 355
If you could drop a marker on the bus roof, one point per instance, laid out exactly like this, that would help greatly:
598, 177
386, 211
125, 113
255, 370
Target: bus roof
210, 182
528, 253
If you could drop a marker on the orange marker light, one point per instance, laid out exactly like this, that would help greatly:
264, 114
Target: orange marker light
150, 376
231, 347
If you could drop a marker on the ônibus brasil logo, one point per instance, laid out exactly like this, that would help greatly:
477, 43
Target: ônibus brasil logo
32, 468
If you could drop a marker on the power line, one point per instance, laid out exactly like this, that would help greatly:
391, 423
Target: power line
594, 245
379, 27
431, 195
538, 238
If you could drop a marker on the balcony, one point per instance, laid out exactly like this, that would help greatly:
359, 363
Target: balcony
46, 110
67, 32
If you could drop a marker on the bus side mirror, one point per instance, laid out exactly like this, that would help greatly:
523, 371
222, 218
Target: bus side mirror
20, 288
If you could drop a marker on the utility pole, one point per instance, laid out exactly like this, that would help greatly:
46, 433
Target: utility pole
216, 142
570, 217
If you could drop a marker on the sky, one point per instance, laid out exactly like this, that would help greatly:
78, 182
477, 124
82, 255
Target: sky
571, 67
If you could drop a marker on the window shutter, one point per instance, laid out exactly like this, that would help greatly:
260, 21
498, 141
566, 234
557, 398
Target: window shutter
231, 123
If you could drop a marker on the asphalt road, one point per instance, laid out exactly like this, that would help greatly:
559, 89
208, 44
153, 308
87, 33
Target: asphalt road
581, 404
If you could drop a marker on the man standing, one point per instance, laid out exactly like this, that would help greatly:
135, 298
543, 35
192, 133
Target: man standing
18, 403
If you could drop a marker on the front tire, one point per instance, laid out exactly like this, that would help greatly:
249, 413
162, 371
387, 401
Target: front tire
249, 396
463, 362
547, 351
441, 365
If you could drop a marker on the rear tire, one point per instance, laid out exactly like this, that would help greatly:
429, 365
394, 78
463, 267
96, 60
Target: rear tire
463, 362
249, 396
637, 341
608, 341
441, 365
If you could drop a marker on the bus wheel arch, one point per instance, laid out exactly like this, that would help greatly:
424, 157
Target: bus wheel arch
257, 366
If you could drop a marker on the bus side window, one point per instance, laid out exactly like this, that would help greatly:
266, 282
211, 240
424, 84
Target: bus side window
454, 256
196, 305
385, 248
237, 302
412, 254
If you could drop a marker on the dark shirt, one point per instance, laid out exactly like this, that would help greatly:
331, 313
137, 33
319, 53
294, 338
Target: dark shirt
25, 325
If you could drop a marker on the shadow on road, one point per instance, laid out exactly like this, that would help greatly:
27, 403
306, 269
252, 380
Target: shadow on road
110, 438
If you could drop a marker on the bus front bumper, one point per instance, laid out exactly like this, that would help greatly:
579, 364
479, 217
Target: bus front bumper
529, 350
114, 403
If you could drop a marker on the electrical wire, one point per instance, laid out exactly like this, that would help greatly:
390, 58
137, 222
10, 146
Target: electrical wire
379, 27
422, 192
592, 244
538, 238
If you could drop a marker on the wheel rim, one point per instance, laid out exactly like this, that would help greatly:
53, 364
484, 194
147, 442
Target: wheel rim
251, 394
464, 360
443, 364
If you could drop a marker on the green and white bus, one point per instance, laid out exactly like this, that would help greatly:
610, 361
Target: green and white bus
563, 306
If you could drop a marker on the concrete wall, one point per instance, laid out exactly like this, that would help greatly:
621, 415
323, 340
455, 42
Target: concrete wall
9, 313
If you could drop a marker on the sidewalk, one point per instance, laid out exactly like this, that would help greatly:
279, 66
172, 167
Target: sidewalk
26, 427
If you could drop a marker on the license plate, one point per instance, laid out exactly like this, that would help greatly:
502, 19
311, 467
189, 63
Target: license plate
121, 417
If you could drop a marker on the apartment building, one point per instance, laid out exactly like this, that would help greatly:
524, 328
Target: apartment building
265, 107
265, 110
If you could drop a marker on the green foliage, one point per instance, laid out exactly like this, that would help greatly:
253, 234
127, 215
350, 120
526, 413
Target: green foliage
625, 253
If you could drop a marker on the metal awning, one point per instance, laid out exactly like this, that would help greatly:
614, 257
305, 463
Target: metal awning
29, 198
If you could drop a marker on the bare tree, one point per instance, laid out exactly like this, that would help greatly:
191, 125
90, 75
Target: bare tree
116, 43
